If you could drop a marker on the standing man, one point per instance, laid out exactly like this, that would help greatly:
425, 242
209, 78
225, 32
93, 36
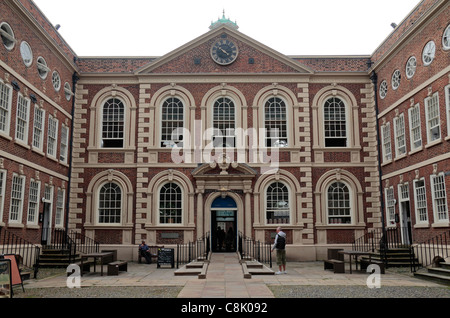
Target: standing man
280, 246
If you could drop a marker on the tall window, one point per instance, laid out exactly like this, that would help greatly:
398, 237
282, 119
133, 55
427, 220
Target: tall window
275, 123
23, 106
2, 191
64, 143
390, 205
5, 107
277, 204
17, 190
113, 123
52, 136
439, 198
170, 204
421, 201
110, 204
172, 121
447, 103
224, 123
338, 203
335, 123
400, 140
59, 216
386, 137
433, 117
38, 128
33, 202
414, 127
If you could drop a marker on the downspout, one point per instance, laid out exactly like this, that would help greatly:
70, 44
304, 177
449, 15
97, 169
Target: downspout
374, 79
75, 79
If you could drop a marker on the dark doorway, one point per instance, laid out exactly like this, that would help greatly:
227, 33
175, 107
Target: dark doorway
223, 225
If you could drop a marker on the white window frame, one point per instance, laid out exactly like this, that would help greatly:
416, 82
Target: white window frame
390, 206
42, 67
17, 198
446, 38
447, 105
439, 197
22, 118
428, 53
415, 128
38, 128
411, 66
64, 143
170, 142
2, 192
343, 133
218, 119
99, 203
386, 142
163, 219
26, 53
279, 138
400, 135
339, 206
433, 118
56, 81
6, 92
59, 214
420, 202
383, 89
52, 136
7, 32
33, 202
396, 79
281, 210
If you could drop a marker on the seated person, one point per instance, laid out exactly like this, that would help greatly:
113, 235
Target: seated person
144, 251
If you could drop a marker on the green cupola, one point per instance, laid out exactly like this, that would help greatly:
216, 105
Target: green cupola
222, 21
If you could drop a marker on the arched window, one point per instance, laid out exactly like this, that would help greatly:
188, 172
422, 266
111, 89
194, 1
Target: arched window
277, 204
110, 203
224, 123
275, 123
113, 123
339, 208
172, 121
335, 123
170, 204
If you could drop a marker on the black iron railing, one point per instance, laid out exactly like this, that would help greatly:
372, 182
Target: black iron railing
380, 241
431, 250
60, 239
251, 249
11, 243
192, 251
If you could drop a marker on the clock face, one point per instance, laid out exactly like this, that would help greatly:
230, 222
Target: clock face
224, 52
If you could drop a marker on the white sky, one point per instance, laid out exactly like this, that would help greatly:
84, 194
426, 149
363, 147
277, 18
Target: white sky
292, 27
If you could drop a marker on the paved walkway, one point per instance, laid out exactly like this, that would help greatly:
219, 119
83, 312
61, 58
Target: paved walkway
225, 279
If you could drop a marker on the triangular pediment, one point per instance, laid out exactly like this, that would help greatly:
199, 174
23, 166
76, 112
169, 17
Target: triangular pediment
195, 57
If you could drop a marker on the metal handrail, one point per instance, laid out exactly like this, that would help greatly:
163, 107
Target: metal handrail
191, 251
11, 243
255, 250
428, 251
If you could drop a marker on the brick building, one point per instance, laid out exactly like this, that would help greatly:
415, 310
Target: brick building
223, 132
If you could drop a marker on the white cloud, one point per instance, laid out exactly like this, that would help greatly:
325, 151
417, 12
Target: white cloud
154, 28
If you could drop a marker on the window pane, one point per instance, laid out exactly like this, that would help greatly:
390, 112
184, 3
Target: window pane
170, 204
277, 203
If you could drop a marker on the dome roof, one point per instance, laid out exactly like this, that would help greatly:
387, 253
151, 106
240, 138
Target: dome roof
222, 21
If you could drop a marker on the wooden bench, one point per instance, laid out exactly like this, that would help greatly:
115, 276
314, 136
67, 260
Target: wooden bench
117, 266
86, 267
364, 263
153, 250
334, 264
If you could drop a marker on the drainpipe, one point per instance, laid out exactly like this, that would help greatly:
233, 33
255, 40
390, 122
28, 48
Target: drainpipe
374, 79
75, 79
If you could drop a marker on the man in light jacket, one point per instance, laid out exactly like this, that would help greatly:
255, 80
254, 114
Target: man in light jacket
280, 246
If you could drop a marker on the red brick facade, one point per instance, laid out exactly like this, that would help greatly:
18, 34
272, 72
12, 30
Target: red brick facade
115, 195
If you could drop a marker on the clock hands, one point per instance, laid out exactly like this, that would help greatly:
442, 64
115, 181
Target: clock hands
224, 51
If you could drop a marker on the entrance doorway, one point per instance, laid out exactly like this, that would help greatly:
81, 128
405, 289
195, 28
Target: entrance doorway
405, 214
223, 225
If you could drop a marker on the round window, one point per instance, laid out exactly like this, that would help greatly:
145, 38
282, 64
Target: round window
411, 67
42, 67
429, 51
7, 36
396, 79
446, 38
56, 80
27, 54
383, 89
